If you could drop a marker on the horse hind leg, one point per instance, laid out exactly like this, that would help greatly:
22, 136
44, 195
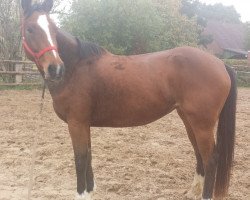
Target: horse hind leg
202, 125
206, 144
195, 192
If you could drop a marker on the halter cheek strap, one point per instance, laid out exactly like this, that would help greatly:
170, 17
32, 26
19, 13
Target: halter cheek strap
38, 55
35, 55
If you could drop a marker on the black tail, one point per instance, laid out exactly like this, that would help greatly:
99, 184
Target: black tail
226, 139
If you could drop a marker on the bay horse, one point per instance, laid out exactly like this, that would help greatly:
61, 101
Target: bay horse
92, 87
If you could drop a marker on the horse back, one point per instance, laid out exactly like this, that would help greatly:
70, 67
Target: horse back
125, 88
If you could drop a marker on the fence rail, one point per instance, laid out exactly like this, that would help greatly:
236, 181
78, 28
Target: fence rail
19, 73
243, 72
20, 84
16, 62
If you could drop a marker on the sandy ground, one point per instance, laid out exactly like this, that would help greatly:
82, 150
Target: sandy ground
153, 162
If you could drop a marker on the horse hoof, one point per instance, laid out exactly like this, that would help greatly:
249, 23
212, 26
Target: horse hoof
193, 195
95, 187
84, 196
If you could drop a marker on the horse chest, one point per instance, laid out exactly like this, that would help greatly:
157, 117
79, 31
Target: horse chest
60, 108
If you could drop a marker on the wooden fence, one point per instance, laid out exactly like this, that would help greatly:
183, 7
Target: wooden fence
16, 73
243, 75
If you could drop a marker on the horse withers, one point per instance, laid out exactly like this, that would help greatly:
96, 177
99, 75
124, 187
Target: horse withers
91, 87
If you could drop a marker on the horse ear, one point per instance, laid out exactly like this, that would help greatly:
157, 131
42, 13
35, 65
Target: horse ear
26, 4
47, 5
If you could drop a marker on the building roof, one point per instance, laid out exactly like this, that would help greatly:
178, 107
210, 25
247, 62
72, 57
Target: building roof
227, 36
237, 51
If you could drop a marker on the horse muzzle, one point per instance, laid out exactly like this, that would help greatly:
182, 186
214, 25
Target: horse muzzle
55, 72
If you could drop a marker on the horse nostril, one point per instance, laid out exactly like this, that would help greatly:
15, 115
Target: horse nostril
52, 71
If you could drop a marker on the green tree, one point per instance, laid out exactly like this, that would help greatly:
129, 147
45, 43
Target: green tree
247, 36
179, 30
220, 12
203, 11
9, 29
130, 27
122, 26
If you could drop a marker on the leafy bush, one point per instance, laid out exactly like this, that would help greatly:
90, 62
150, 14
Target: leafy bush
131, 27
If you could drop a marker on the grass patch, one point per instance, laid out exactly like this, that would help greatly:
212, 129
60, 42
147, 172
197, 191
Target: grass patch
243, 84
232, 62
21, 87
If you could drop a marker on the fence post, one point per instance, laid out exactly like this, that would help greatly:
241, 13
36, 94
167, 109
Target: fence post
248, 58
19, 68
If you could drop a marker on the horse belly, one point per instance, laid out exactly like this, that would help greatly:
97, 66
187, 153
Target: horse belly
137, 94
131, 114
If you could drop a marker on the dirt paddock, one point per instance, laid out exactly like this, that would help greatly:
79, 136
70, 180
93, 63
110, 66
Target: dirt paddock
153, 162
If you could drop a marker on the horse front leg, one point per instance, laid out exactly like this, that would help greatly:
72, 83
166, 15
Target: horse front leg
90, 175
80, 136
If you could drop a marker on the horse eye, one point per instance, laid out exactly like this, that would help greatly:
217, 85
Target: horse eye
30, 30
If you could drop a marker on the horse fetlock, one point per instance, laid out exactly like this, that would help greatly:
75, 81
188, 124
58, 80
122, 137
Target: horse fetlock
84, 196
196, 189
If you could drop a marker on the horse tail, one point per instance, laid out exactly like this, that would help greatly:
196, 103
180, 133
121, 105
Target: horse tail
226, 138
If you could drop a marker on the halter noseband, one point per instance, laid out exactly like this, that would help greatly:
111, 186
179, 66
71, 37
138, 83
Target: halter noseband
35, 55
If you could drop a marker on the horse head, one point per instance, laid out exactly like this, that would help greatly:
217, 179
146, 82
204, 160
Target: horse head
39, 39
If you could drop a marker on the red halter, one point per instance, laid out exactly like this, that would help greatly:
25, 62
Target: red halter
35, 55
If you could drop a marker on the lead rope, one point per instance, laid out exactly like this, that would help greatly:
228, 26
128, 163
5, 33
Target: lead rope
34, 147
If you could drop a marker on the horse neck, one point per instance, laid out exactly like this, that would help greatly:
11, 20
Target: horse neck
68, 50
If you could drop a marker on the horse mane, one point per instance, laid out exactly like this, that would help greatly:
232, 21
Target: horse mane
88, 49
